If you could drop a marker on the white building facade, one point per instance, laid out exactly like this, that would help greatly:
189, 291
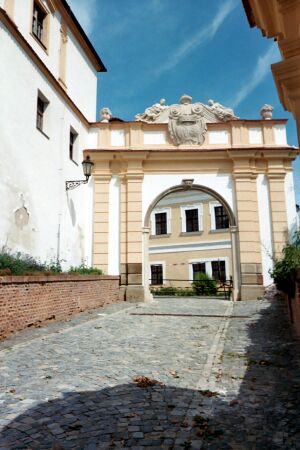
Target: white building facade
48, 91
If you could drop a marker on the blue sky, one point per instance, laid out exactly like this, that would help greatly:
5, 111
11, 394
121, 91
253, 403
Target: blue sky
165, 48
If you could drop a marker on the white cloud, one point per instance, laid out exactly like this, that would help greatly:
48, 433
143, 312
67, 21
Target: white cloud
85, 13
261, 70
198, 38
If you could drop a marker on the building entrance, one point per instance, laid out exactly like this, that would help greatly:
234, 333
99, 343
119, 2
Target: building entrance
189, 249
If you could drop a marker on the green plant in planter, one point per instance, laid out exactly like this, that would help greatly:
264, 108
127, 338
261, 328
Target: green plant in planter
84, 270
284, 268
19, 263
204, 285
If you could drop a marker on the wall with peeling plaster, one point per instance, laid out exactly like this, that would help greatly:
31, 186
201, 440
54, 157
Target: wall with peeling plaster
38, 216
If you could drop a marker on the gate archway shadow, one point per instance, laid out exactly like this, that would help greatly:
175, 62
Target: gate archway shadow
263, 415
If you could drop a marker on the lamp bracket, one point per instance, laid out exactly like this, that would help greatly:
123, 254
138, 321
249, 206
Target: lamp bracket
75, 183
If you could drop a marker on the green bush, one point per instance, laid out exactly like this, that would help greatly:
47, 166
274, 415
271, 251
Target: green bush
173, 291
164, 290
19, 263
22, 264
204, 285
284, 268
84, 270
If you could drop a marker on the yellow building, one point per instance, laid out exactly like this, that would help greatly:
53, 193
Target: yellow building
280, 19
191, 148
189, 233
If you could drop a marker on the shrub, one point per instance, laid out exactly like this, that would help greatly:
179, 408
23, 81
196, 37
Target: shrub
284, 267
19, 263
173, 291
85, 270
22, 264
164, 290
204, 285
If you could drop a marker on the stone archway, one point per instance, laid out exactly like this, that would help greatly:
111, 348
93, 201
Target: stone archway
187, 185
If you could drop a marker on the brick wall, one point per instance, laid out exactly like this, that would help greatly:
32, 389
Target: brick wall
35, 300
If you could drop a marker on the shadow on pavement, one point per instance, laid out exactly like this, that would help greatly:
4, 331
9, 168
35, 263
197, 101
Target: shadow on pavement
263, 414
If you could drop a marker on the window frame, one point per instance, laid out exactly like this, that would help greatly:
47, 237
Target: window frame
167, 211
183, 209
208, 265
42, 40
163, 271
212, 212
194, 272
42, 113
73, 152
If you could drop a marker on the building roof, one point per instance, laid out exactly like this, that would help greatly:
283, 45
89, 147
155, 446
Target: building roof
249, 12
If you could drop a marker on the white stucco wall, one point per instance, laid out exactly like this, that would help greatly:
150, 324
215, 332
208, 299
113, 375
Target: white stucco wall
265, 227
81, 76
81, 82
154, 185
33, 169
292, 217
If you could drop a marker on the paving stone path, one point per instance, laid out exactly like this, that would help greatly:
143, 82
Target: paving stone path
228, 379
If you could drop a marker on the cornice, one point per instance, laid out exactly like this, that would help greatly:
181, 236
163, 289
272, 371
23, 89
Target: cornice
73, 24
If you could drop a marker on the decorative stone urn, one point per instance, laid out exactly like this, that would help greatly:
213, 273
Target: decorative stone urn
266, 112
105, 115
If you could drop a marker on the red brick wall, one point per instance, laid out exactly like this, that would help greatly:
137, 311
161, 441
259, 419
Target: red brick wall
34, 300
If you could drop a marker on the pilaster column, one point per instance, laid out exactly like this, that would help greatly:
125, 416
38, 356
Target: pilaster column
101, 221
249, 235
235, 264
278, 212
148, 296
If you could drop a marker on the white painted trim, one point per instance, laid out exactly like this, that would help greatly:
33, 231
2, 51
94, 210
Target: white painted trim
265, 227
212, 206
218, 137
114, 227
199, 207
156, 263
290, 201
117, 138
280, 134
208, 267
154, 137
255, 135
190, 247
152, 220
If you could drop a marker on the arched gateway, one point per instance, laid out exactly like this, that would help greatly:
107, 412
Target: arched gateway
244, 164
188, 185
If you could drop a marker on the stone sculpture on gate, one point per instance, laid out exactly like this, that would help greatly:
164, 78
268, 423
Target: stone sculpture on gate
186, 122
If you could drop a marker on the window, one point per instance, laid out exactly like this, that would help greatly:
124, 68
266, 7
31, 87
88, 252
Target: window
218, 270
40, 114
161, 222
212, 267
42, 104
191, 218
38, 22
198, 268
156, 274
72, 145
221, 218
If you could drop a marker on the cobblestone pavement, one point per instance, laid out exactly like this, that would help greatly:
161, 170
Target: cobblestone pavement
229, 374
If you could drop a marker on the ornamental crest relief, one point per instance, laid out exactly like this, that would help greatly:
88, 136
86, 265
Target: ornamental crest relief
186, 122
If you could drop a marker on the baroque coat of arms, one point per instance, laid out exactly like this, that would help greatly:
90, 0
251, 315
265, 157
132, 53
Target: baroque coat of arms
186, 122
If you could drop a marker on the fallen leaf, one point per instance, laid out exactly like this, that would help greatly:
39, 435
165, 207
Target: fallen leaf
143, 381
